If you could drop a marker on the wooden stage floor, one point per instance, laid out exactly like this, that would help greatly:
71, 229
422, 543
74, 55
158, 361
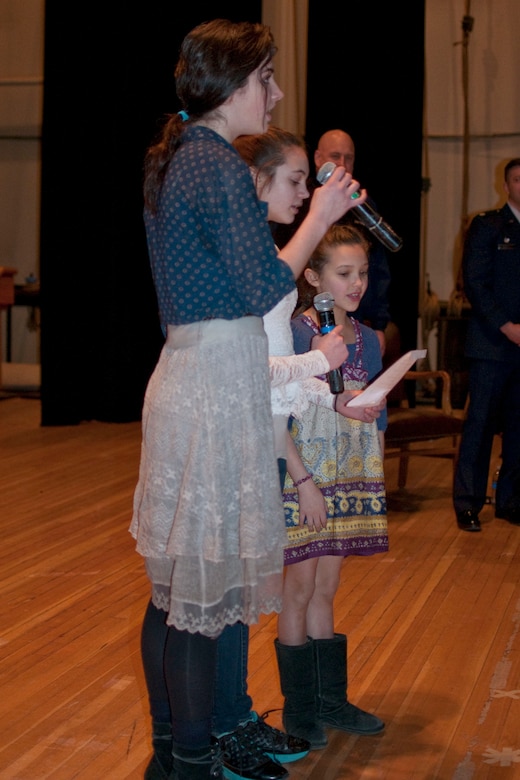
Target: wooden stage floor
433, 625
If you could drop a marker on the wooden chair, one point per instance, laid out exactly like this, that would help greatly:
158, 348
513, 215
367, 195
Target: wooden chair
6, 300
420, 430
423, 431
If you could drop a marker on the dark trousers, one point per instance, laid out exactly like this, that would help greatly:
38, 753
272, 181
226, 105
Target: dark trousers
197, 684
232, 702
494, 407
180, 670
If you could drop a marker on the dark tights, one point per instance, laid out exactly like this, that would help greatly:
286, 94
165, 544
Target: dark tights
179, 669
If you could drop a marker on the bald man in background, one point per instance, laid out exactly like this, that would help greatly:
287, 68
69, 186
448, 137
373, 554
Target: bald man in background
338, 147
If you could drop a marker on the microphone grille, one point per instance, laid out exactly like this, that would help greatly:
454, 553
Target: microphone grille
323, 301
325, 172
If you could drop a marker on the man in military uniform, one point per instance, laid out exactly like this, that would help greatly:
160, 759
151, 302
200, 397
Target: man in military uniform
491, 274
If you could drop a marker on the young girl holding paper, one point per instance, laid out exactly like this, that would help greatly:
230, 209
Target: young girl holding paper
335, 505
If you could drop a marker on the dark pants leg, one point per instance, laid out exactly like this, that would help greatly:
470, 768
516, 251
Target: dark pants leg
190, 664
508, 485
486, 382
180, 671
153, 643
232, 701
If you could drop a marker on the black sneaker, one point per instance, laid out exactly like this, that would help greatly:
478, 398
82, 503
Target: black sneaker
242, 759
274, 743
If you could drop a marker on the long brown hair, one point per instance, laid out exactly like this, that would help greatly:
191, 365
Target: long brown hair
265, 152
216, 59
336, 235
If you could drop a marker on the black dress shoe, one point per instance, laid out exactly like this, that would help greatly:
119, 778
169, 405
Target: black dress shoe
468, 520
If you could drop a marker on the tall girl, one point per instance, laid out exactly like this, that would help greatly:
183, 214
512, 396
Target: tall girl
208, 516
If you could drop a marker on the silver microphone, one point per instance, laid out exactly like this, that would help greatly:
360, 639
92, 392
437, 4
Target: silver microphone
367, 215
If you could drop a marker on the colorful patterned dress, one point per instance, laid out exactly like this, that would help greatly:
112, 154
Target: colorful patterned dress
344, 457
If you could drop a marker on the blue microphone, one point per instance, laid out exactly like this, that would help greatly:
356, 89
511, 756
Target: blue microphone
324, 305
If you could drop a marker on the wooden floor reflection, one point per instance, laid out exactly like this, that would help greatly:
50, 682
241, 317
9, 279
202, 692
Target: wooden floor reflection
433, 625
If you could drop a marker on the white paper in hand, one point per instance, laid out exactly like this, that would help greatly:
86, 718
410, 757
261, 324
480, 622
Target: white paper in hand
381, 386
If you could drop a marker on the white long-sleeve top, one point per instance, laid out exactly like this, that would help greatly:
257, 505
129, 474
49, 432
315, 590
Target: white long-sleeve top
293, 382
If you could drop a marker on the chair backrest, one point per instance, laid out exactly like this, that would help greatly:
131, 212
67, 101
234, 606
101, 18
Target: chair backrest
421, 430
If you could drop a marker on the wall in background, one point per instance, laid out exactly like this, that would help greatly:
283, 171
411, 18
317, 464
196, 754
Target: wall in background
493, 109
289, 21
494, 121
100, 335
21, 98
366, 77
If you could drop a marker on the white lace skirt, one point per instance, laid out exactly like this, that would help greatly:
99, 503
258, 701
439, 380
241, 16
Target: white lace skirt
208, 514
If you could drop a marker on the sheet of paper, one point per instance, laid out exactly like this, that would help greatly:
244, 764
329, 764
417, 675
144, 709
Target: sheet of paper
381, 386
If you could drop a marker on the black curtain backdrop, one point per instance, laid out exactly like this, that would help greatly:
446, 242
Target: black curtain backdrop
108, 83
366, 66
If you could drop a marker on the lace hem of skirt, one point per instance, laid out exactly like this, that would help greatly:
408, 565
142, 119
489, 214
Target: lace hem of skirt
204, 597
210, 622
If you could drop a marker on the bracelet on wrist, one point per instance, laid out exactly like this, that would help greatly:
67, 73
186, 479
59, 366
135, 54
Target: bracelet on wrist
302, 480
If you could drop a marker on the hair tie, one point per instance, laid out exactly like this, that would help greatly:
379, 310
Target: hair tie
183, 115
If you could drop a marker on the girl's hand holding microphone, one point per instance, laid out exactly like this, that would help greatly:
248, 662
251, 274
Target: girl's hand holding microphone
339, 194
